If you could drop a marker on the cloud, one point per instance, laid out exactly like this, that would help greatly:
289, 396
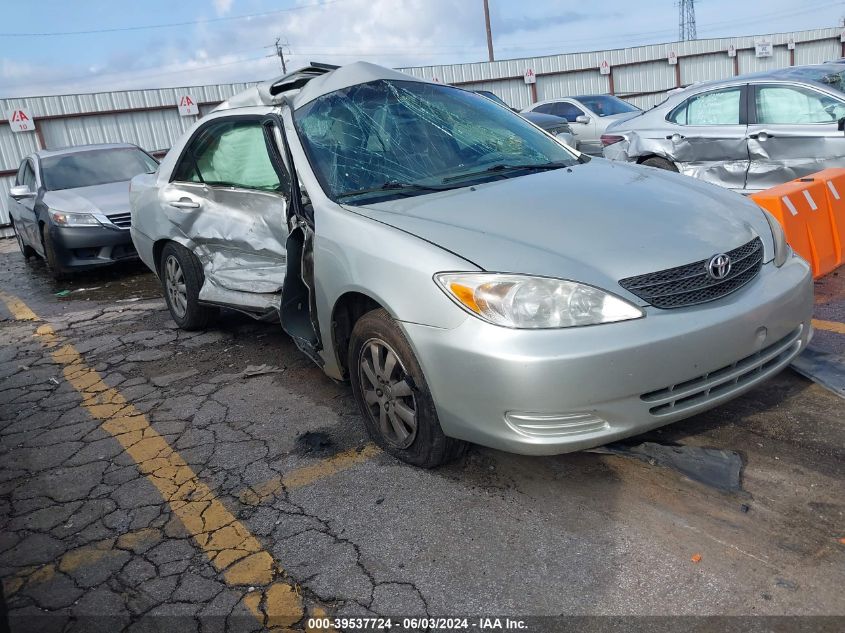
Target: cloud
394, 33
222, 7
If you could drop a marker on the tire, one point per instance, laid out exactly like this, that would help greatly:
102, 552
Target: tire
388, 394
659, 163
26, 251
181, 280
53, 265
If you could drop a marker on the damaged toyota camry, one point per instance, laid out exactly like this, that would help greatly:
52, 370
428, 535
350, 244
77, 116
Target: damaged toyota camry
473, 278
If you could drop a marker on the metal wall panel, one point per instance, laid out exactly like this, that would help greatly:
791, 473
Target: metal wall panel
705, 68
817, 52
644, 77
556, 86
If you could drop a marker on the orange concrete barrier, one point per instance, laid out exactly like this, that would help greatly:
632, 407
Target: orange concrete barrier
834, 180
803, 209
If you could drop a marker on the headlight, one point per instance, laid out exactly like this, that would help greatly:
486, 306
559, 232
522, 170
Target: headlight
73, 219
779, 237
520, 301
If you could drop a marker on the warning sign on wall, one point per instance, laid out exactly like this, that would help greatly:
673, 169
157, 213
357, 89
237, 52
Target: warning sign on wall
762, 47
21, 121
530, 76
188, 106
604, 67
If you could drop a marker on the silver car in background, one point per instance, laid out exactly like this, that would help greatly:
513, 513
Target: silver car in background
554, 125
748, 133
588, 115
474, 279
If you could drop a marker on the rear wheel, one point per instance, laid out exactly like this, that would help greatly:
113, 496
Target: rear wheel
659, 163
393, 396
182, 278
53, 264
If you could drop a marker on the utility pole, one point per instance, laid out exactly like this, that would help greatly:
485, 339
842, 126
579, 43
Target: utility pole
280, 51
489, 32
686, 20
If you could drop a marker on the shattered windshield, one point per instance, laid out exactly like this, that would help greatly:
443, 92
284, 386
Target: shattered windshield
385, 139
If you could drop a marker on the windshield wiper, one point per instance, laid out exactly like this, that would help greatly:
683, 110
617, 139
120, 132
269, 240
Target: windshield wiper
392, 186
505, 167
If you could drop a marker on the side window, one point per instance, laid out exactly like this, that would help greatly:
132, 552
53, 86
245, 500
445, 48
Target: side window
567, 111
792, 105
720, 107
230, 154
546, 108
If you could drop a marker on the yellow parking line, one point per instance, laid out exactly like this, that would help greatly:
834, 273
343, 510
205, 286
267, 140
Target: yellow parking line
227, 543
300, 477
830, 326
20, 311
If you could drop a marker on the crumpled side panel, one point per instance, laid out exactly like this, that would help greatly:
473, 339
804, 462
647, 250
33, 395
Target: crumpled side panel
703, 158
239, 237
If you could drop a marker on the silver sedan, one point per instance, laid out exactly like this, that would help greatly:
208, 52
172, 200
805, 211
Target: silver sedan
746, 133
474, 279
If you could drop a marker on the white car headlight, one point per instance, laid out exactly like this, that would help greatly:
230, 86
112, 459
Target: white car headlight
524, 302
782, 249
73, 219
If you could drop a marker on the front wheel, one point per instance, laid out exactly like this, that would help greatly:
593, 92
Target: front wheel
53, 264
182, 278
393, 396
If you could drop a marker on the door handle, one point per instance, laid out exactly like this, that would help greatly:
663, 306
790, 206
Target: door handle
675, 137
761, 136
184, 203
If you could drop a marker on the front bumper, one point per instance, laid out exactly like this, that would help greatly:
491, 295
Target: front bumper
90, 246
545, 392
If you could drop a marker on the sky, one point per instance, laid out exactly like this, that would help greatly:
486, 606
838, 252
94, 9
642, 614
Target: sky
195, 42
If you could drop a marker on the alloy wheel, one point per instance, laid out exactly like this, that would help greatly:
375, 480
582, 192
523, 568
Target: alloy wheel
174, 282
387, 392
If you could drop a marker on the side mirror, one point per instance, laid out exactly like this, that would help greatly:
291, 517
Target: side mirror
582, 118
840, 124
20, 192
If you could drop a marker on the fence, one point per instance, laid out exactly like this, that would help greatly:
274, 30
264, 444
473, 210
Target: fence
642, 75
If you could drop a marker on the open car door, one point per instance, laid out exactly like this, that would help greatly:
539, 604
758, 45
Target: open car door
298, 310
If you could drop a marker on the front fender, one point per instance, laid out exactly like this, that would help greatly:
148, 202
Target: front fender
353, 253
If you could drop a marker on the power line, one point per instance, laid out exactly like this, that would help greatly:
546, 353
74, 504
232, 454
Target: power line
174, 24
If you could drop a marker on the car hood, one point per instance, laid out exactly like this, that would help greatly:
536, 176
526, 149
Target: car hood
597, 222
112, 197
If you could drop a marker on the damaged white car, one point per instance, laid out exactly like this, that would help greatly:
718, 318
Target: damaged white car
472, 277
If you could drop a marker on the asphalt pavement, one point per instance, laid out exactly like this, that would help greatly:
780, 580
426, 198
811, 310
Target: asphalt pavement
155, 479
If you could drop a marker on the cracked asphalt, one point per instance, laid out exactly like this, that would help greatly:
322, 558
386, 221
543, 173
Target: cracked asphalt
156, 480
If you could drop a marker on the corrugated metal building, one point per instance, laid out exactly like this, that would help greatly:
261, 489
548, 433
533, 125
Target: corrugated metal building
148, 118
642, 75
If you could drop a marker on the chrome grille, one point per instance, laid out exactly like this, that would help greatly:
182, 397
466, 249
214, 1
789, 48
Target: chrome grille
691, 284
710, 386
120, 220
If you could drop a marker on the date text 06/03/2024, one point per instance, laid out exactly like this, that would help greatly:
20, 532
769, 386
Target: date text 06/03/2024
418, 624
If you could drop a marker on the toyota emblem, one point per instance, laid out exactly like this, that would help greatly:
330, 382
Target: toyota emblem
719, 266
